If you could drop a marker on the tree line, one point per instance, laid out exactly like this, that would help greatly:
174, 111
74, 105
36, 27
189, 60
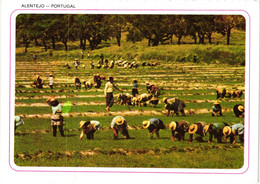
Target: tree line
48, 29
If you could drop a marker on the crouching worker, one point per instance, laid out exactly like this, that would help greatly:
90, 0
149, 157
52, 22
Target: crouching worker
174, 104
153, 125
239, 110
197, 128
180, 127
89, 128
216, 130
216, 109
17, 122
118, 123
234, 131
56, 118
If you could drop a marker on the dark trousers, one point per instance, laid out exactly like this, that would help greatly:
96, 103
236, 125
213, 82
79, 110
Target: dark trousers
109, 100
54, 128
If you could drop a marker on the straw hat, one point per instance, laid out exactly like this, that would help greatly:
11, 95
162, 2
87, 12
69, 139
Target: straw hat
164, 99
172, 125
205, 129
216, 102
81, 123
226, 130
193, 129
52, 99
241, 108
119, 121
146, 124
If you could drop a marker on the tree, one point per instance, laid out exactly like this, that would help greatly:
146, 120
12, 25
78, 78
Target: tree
117, 26
153, 27
225, 23
23, 30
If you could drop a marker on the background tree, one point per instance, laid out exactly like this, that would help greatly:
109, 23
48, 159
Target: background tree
225, 23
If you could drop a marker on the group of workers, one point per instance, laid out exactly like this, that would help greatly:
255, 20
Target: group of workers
178, 129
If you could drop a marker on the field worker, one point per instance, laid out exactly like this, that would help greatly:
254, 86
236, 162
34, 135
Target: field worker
97, 80
108, 91
51, 80
17, 122
56, 118
82, 54
89, 128
135, 89
197, 128
237, 93
221, 92
38, 82
77, 83
216, 130
112, 64
34, 57
234, 131
239, 110
153, 125
118, 123
76, 63
174, 104
152, 89
216, 109
91, 64
180, 127
195, 58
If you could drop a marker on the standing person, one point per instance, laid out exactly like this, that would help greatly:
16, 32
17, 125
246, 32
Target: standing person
239, 110
118, 123
76, 63
197, 128
97, 80
153, 125
51, 80
216, 109
34, 57
91, 64
82, 54
234, 131
135, 88
102, 59
56, 118
112, 64
216, 130
89, 128
77, 83
88, 53
109, 88
180, 127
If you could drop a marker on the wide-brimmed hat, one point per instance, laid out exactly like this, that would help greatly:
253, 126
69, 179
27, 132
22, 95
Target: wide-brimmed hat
240, 108
164, 99
216, 102
205, 129
146, 124
193, 129
226, 130
81, 123
119, 121
172, 125
147, 83
52, 99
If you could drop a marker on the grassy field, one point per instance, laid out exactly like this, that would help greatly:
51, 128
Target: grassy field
219, 65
